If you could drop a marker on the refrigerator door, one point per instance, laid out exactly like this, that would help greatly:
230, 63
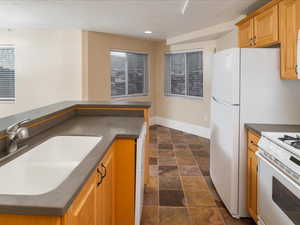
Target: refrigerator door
226, 76
224, 152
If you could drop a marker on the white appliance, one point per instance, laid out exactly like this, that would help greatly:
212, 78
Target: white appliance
139, 179
279, 179
246, 89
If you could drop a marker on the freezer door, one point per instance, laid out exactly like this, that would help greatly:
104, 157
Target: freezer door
224, 153
226, 76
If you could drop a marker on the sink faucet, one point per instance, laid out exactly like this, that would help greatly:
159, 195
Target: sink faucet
16, 132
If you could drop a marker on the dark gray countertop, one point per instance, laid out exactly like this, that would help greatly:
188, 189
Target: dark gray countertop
259, 128
50, 109
56, 202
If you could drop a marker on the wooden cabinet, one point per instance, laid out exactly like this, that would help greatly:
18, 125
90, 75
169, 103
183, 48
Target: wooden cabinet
260, 30
275, 23
83, 209
106, 195
246, 34
95, 203
266, 27
288, 38
252, 174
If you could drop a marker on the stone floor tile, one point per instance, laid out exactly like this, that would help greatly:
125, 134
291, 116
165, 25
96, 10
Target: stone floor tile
152, 183
150, 215
206, 216
171, 198
186, 160
189, 171
165, 147
153, 153
169, 153
194, 184
167, 161
153, 161
151, 197
171, 171
153, 170
199, 198
169, 183
195, 147
173, 216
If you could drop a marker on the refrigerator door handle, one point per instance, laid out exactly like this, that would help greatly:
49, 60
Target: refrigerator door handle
224, 103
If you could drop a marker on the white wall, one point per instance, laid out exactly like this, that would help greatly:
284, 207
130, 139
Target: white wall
48, 67
229, 40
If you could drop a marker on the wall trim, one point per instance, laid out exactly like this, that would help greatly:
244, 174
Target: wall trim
182, 126
205, 33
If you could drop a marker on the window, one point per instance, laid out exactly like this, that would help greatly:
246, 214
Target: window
129, 75
184, 74
7, 73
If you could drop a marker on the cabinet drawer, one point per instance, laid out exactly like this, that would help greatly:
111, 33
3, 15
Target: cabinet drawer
253, 140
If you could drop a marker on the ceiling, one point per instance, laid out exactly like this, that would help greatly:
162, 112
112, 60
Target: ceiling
129, 17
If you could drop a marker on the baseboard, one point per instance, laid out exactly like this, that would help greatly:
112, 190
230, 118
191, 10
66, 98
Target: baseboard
182, 126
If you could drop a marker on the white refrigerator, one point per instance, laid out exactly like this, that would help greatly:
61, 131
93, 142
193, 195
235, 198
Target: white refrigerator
246, 88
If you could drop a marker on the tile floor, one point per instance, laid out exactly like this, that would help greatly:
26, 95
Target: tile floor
180, 191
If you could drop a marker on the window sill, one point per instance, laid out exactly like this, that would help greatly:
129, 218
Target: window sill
7, 101
185, 97
122, 97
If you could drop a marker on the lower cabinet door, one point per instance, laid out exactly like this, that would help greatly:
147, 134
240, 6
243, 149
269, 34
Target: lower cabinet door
105, 190
108, 189
83, 210
252, 184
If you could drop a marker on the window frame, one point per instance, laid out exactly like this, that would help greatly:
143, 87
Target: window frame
186, 76
11, 100
146, 75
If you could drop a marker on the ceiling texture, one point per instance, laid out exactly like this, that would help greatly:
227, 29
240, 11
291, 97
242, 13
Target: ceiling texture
128, 17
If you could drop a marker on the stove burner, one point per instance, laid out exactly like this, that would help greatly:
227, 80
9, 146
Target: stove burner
289, 138
293, 141
296, 144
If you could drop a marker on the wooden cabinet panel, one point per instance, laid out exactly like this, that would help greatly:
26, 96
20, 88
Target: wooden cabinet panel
252, 141
246, 34
288, 38
125, 181
252, 184
83, 209
266, 27
252, 174
108, 189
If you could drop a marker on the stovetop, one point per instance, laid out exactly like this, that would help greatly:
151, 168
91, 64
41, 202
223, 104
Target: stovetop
292, 140
284, 150
287, 141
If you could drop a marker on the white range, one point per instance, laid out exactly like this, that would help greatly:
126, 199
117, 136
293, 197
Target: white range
279, 179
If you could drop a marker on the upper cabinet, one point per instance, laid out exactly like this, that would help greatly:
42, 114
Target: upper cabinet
266, 27
246, 34
288, 39
274, 23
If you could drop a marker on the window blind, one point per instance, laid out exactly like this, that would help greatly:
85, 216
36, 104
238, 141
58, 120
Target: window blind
184, 74
7, 73
129, 74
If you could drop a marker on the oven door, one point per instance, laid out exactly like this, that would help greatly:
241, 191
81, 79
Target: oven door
278, 196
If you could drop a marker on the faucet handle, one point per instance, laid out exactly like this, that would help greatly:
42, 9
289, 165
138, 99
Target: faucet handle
13, 128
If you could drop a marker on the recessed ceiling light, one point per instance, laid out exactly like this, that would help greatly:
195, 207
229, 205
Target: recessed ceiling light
148, 32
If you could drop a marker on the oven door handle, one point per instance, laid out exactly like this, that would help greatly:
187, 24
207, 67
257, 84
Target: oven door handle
277, 170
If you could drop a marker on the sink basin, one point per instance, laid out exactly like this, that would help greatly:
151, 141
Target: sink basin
46, 166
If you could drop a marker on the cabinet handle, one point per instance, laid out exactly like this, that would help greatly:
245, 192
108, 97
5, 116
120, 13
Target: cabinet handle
102, 165
100, 177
